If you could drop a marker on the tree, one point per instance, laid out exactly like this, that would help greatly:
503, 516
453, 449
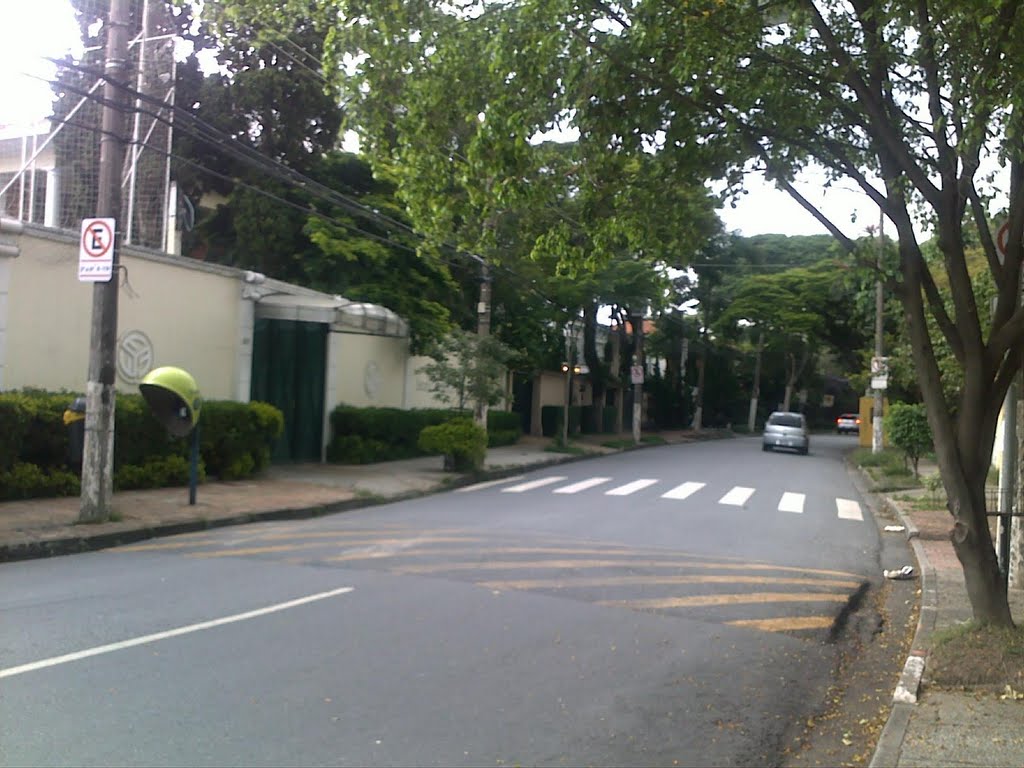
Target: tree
907, 100
907, 427
467, 369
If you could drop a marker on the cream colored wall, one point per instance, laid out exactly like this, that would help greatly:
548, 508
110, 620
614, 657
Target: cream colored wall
369, 370
552, 388
190, 317
418, 392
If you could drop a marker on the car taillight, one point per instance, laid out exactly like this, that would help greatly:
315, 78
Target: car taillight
858, 421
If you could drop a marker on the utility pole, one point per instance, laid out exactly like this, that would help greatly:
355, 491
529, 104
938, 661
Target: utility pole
638, 380
98, 454
876, 416
483, 330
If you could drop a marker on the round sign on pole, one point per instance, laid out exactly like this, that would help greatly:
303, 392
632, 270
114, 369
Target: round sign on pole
96, 251
1003, 240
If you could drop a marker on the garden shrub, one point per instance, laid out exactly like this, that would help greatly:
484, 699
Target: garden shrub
460, 439
34, 443
906, 425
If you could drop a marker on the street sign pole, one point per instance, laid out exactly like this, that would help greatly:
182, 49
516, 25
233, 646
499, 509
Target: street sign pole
876, 415
98, 453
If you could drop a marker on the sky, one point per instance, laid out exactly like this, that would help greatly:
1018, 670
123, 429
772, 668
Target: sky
46, 28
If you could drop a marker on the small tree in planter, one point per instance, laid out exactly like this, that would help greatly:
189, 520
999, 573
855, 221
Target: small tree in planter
907, 426
462, 443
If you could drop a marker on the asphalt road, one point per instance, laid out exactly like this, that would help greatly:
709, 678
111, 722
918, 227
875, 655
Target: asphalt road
670, 606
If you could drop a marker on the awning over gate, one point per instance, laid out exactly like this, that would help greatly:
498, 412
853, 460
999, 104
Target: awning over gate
336, 311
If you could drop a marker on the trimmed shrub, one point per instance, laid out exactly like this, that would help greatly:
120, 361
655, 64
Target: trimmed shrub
158, 472
27, 481
236, 437
364, 435
34, 443
907, 428
460, 439
608, 414
503, 420
498, 437
13, 419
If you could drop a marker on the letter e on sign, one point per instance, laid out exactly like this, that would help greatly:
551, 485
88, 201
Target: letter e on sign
96, 251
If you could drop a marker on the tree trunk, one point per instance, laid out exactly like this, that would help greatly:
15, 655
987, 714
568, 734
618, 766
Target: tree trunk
755, 392
963, 443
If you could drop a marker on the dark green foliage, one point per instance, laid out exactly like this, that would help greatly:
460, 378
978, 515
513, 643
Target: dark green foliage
551, 419
27, 481
13, 417
460, 439
365, 435
907, 427
503, 428
157, 472
368, 435
236, 439
608, 415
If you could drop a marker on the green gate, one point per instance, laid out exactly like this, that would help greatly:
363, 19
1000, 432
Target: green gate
289, 360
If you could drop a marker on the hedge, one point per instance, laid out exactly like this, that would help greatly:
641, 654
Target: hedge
460, 440
551, 419
34, 444
368, 435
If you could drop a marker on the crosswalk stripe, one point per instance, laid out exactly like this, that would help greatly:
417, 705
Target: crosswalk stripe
529, 486
849, 509
582, 485
489, 484
682, 491
792, 502
737, 497
628, 488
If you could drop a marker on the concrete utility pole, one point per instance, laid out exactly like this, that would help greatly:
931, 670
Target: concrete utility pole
483, 330
98, 455
876, 416
638, 385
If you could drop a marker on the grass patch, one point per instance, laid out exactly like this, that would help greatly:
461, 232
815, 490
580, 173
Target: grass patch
971, 655
885, 458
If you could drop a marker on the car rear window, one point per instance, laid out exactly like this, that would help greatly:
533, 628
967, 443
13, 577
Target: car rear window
786, 420
850, 416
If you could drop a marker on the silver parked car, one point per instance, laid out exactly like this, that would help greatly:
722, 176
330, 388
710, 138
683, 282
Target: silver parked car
785, 429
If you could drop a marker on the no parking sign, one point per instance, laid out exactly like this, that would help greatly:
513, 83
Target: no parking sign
96, 251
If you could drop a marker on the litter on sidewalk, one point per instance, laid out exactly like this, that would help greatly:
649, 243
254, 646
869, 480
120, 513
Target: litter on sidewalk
906, 572
895, 528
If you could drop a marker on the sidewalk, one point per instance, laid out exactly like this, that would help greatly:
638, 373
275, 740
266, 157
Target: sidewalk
926, 727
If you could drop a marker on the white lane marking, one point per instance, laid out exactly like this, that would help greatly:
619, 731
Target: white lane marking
682, 491
488, 484
582, 485
628, 488
737, 497
100, 649
534, 484
849, 509
792, 502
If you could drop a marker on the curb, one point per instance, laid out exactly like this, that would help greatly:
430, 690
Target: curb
905, 697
